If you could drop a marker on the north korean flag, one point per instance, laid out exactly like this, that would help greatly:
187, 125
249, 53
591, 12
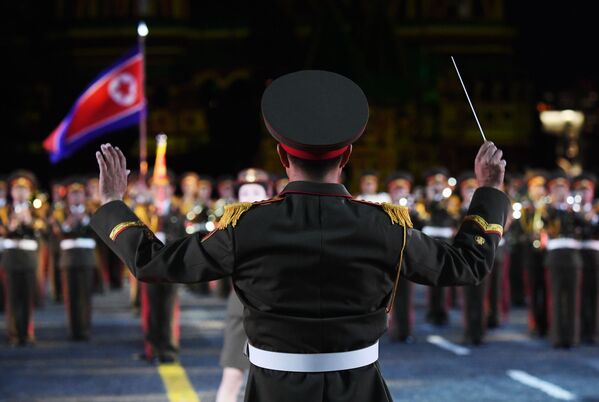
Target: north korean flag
115, 99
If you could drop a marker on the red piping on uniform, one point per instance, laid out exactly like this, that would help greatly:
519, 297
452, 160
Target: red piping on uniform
145, 319
176, 329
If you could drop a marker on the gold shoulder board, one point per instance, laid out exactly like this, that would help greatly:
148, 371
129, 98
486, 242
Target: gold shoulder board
398, 214
234, 211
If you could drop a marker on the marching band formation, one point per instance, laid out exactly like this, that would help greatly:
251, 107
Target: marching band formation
548, 259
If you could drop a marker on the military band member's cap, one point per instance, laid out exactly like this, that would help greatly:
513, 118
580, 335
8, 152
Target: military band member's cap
205, 180
23, 178
436, 173
512, 176
467, 178
369, 175
189, 175
314, 114
224, 177
75, 183
400, 178
252, 175
558, 178
585, 180
537, 178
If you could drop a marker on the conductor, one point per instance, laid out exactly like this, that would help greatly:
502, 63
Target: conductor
314, 269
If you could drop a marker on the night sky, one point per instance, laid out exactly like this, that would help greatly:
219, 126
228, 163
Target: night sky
44, 71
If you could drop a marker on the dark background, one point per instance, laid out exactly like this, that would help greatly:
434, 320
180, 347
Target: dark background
208, 63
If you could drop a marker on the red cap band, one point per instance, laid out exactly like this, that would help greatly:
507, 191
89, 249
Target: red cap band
314, 156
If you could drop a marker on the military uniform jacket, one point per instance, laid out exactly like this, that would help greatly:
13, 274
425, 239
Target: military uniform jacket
315, 271
77, 256
23, 258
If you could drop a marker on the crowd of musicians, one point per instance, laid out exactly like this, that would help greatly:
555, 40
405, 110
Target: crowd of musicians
548, 259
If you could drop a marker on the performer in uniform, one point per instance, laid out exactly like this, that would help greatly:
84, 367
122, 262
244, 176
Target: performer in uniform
532, 225
56, 213
198, 212
3, 225
252, 186
517, 241
189, 190
225, 187
439, 224
474, 295
159, 301
77, 261
399, 187
497, 283
584, 186
563, 262
315, 270
20, 258
110, 270
369, 188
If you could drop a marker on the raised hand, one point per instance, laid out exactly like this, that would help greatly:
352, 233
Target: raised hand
489, 166
113, 173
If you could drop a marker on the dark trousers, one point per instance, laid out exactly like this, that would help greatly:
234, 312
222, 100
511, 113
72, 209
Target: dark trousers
494, 289
20, 291
364, 384
54, 274
223, 287
110, 270
401, 320
437, 311
517, 263
474, 313
115, 271
537, 289
589, 325
564, 266
78, 288
160, 320
2, 280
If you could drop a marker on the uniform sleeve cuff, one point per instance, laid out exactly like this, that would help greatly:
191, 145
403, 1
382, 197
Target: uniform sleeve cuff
112, 218
489, 209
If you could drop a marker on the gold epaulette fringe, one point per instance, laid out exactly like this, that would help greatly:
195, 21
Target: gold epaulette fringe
232, 213
398, 214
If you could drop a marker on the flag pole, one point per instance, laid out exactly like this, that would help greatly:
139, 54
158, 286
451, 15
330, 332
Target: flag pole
142, 32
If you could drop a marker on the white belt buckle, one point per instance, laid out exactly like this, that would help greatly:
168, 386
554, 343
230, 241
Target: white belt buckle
313, 362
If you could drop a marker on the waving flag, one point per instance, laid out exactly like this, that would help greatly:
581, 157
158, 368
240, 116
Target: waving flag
115, 99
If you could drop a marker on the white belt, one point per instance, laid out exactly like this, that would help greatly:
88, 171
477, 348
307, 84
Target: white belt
21, 244
1, 244
313, 362
590, 245
80, 242
437, 231
564, 242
